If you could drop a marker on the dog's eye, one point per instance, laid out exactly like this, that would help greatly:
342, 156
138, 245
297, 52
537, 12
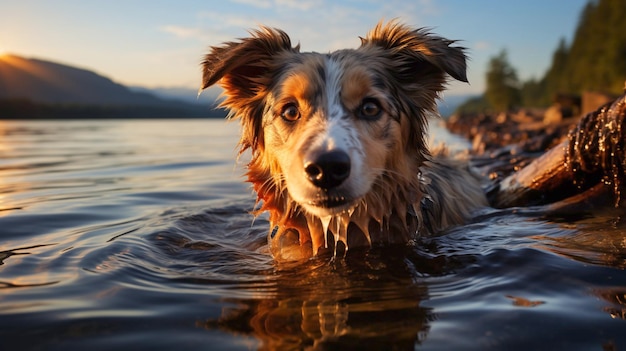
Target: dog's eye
290, 113
370, 109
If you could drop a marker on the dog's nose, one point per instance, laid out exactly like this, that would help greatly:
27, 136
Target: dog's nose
329, 169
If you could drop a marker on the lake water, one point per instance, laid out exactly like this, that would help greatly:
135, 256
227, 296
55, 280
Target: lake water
132, 235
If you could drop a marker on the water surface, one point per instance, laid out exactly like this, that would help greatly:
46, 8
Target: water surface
137, 235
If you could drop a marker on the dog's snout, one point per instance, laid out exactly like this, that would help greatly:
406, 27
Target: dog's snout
329, 169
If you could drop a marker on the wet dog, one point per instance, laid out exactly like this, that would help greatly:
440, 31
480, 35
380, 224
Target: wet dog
337, 140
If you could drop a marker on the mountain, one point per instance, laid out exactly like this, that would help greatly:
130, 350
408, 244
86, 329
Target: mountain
189, 95
49, 82
39, 83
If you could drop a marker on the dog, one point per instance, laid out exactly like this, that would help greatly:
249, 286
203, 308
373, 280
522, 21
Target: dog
339, 157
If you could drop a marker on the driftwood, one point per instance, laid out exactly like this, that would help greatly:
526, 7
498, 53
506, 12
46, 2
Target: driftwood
592, 153
534, 164
536, 183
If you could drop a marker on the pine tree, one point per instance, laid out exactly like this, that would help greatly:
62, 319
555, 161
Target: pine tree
502, 91
596, 59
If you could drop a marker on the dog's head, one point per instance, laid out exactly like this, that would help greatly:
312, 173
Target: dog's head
327, 130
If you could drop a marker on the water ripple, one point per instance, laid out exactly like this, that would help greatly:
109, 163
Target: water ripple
137, 234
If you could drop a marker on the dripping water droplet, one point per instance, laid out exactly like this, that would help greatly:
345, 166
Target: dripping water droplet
325, 223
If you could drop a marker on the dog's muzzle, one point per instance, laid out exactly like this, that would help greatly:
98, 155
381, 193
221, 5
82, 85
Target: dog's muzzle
328, 172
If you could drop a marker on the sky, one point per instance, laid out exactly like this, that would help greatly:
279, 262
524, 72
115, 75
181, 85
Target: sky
158, 43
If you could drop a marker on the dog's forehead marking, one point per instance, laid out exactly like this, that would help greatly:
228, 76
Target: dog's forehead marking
339, 131
334, 74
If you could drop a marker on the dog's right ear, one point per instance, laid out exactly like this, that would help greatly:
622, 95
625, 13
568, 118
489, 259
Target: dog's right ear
239, 67
243, 69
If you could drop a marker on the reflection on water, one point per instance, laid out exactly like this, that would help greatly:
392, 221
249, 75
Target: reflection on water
362, 302
616, 301
137, 235
601, 239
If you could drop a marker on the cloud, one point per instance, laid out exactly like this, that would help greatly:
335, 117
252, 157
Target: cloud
482, 45
302, 5
263, 4
320, 25
428, 7
181, 32
203, 35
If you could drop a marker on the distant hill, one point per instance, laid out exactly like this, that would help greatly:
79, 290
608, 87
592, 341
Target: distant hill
49, 89
207, 97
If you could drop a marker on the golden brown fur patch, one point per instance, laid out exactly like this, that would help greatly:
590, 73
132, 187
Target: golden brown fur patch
339, 158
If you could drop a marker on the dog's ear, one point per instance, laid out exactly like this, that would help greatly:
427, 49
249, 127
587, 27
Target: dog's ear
237, 65
414, 47
243, 69
418, 64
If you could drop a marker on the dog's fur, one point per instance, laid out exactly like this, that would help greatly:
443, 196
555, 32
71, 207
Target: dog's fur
338, 140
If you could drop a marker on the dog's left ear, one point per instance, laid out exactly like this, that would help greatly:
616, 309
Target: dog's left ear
412, 47
418, 64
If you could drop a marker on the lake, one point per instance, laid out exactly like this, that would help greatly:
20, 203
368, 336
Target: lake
136, 234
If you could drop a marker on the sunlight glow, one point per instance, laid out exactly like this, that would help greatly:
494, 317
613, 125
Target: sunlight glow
23, 65
3, 49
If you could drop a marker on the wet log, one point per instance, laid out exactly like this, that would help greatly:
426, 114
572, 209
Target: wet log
593, 153
535, 183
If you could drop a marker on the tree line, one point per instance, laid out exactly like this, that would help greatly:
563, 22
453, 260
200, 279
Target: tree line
595, 60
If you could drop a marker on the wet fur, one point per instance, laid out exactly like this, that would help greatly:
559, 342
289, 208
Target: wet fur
396, 189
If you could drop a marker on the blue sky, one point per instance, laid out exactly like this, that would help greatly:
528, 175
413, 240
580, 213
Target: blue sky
160, 43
